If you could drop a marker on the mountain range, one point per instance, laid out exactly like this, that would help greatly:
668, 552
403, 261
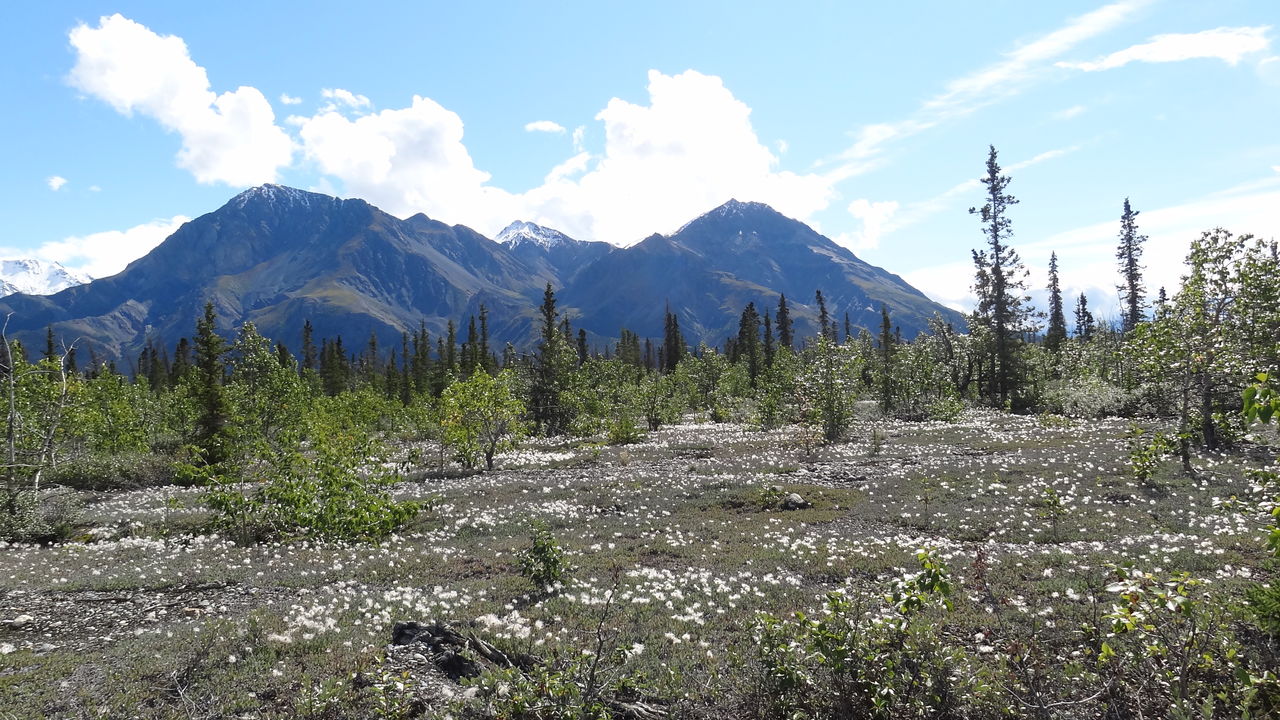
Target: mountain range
36, 277
280, 256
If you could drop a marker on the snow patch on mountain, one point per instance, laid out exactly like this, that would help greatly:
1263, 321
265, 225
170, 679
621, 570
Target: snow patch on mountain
276, 195
523, 233
36, 277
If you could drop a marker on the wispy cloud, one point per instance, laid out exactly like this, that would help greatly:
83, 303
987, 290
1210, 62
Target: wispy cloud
56, 182
1230, 45
545, 126
288, 99
1019, 69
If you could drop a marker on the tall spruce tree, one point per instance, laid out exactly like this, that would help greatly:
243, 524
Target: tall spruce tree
1000, 284
824, 318
1057, 331
1129, 254
768, 340
673, 345
213, 407
1084, 319
748, 345
785, 338
308, 346
887, 342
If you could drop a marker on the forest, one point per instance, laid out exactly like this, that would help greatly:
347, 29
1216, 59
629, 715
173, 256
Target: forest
1024, 517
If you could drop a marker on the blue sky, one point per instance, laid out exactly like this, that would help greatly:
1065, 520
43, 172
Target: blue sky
611, 121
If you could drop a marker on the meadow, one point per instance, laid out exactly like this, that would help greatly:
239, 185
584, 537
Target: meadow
682, 571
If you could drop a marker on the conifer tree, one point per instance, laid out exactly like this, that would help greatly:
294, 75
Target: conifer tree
1084, 319
1130, 255
181, 359
450, 354
768, 340
582, 346
486, 354
673, 345
1057, 331
308, 346
785, 338
887, 342
213, 407
1000, 284
748, 342
50, 348
824, 318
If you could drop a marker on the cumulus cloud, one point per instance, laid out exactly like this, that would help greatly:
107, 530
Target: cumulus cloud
874, 216
406, 161
230, 138
56, 182
546, 126
288, 99
691, 148
1230, 45
103, 254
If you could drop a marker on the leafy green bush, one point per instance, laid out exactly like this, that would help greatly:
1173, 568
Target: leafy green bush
335, 486
858, 660
543, 561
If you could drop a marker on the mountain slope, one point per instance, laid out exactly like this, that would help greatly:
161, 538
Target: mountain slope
280, 256
708, 270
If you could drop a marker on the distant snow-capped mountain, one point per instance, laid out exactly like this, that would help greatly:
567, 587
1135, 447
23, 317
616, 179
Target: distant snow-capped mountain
37, 277
521, 233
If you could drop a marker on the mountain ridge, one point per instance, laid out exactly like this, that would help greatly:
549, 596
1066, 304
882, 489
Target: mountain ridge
280, 256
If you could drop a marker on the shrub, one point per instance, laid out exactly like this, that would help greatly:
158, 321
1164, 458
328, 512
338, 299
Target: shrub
46, 516
856, 660
543, 561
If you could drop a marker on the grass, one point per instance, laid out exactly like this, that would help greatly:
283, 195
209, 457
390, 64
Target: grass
147, 617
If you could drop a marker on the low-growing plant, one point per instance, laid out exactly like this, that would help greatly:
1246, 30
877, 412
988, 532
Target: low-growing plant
1145, 457
857, 659
543, 562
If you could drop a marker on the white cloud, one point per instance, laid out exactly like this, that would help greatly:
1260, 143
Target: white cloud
103, 254
1230, 45
94, 188
230, 138
545, 126
288, 99
56, 182
343, 99
690, 149
1019, 69
407, 161
874, 217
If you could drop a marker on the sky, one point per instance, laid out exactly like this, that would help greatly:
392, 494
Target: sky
612, 121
